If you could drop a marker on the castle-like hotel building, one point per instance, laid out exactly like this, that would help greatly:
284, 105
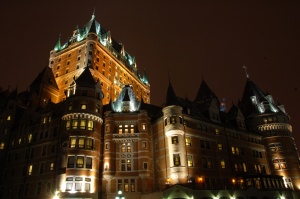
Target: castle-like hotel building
85, 128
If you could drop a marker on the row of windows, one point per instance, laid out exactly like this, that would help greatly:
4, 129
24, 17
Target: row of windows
81, 143
78, 183
275, 147
79, 162
279, 163
237, 150
81, 124
83, 104
44, 167
126, 185
257, 154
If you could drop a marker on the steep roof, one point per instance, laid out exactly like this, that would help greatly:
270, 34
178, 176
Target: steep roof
171, 98
86, 79
204, 92
45, 77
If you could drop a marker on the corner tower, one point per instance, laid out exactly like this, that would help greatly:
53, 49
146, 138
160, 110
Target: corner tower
176, 165
81, 140
270, 121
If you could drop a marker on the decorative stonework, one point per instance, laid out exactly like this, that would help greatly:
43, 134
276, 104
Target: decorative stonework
83, 116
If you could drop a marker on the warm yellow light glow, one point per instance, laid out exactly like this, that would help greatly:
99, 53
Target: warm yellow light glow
233, 181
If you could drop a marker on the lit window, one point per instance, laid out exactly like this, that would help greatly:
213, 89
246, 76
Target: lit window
279, 163
2, 145
120, 129
83, 106
190, 160
51, 167
68, 124
143, 127
223, 165
8, 118
73, 142
220, 146
90, 125
275, 147
82, 124
80, 162
30, 170
144, 145
176, 159
188, 141
69, 183
74, 124
81, 142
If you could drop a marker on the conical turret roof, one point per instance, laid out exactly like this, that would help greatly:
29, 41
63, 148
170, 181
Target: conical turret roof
171, 98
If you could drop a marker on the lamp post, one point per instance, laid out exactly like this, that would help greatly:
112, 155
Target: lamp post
120, 196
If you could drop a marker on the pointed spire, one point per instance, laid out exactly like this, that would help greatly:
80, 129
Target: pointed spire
245, 68
204, 92
93, 27
171, 98
57, 46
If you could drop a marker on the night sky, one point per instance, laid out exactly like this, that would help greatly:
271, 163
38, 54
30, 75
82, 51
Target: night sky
191, 39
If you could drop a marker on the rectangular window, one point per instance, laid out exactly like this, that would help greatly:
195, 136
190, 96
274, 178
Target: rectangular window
173, 120
89, 143
143, 127
279, 163
176, 159
207, 162
120, 129
69, 183
223, 165
87, 185
2, 145
90, 125
174, 140
72, 142
275, 147
88, 162
204, 144
81, 142
188, 141
74, 124
220, 146
51, 167
30, 169
71, 160
82, 124
80, 162
190, 160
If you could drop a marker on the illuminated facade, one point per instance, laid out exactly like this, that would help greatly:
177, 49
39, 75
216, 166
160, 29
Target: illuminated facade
86, 129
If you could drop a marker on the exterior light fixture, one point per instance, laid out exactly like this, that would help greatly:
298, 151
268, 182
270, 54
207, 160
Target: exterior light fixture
56, 195
120, 196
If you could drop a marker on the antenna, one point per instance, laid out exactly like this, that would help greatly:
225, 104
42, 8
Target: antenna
245, 68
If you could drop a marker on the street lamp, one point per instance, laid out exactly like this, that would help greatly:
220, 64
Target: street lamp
120, 196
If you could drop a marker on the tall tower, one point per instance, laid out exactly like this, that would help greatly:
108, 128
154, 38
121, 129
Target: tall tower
272, 123
81, 139
94, 47
175, 139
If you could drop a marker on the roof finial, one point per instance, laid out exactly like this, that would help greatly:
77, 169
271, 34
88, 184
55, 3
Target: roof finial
93, 16
245, 68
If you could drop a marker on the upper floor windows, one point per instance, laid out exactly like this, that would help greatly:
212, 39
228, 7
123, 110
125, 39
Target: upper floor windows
174, 139
188, 141
176, 159
127, 128
81, 142
81, 124
279, 163
275, 147
79, 161
204, 144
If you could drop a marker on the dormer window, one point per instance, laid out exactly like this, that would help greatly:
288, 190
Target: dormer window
83, 106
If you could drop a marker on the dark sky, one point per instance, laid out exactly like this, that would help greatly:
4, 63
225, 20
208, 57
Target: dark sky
190, 39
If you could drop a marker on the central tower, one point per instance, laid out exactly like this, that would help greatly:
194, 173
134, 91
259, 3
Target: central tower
93, 47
